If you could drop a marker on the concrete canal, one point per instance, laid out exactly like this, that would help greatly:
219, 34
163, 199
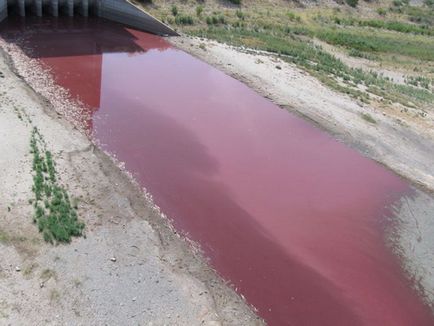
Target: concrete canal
294, 219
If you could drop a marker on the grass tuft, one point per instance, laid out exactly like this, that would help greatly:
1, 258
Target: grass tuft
54, 214
367, 117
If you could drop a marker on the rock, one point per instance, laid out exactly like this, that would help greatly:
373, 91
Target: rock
17, 268
113, 259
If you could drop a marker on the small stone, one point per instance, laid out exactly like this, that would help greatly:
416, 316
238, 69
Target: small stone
113, 259
134, 299
17, 268
41, 285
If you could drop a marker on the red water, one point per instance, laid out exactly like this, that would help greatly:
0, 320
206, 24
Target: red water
293, 218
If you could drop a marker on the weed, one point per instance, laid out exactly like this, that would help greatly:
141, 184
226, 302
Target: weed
419, 81
352, 3
184, 20
199, 10
4, 237
47, 274
360, 54
174, 10
28, 270
240, 14
367, 117
419, 15
404, 45
293, 17
54, 215
77, 283
54, 295
216, 20
382, 11
383, 24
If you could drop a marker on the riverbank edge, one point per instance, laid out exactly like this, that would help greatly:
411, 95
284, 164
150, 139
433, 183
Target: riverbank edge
181, 259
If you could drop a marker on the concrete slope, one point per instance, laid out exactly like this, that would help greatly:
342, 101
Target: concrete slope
125, 12
121, 11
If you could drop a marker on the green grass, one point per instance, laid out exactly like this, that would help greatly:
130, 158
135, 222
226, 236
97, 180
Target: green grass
327, 68
54, 215
216, 19
418, 48
390, 25
420, 81
397, 37
419, 15
181, 19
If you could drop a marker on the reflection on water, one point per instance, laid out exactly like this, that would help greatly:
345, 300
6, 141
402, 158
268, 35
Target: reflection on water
290, 216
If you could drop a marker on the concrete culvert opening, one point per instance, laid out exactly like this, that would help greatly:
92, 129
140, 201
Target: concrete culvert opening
121, 11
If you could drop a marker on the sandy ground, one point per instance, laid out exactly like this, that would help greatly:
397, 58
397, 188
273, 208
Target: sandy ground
401, 142
132, 268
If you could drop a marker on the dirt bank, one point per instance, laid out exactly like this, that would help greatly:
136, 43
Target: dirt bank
131, 268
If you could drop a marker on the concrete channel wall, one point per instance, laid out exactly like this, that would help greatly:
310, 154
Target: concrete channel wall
121, 11
3, 9
127, 13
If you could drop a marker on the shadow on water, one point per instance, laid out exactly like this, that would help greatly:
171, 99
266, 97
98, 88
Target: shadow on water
66, 37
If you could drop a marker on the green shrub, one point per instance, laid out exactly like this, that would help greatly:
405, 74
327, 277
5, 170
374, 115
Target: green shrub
240, 14
184, 20
293, 16
216, 20
199, 10
403, 44
352, 3
56, 218
174, 10
235, 2
382, 11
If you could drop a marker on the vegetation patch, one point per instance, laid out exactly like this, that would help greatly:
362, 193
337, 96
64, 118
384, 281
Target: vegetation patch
54, 214
352, 3
392, 25
420, 81
367, 117
359, 40
327, 68
216, 19
184, 20
402, 40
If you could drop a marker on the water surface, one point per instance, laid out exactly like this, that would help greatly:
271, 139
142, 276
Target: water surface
292, 218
